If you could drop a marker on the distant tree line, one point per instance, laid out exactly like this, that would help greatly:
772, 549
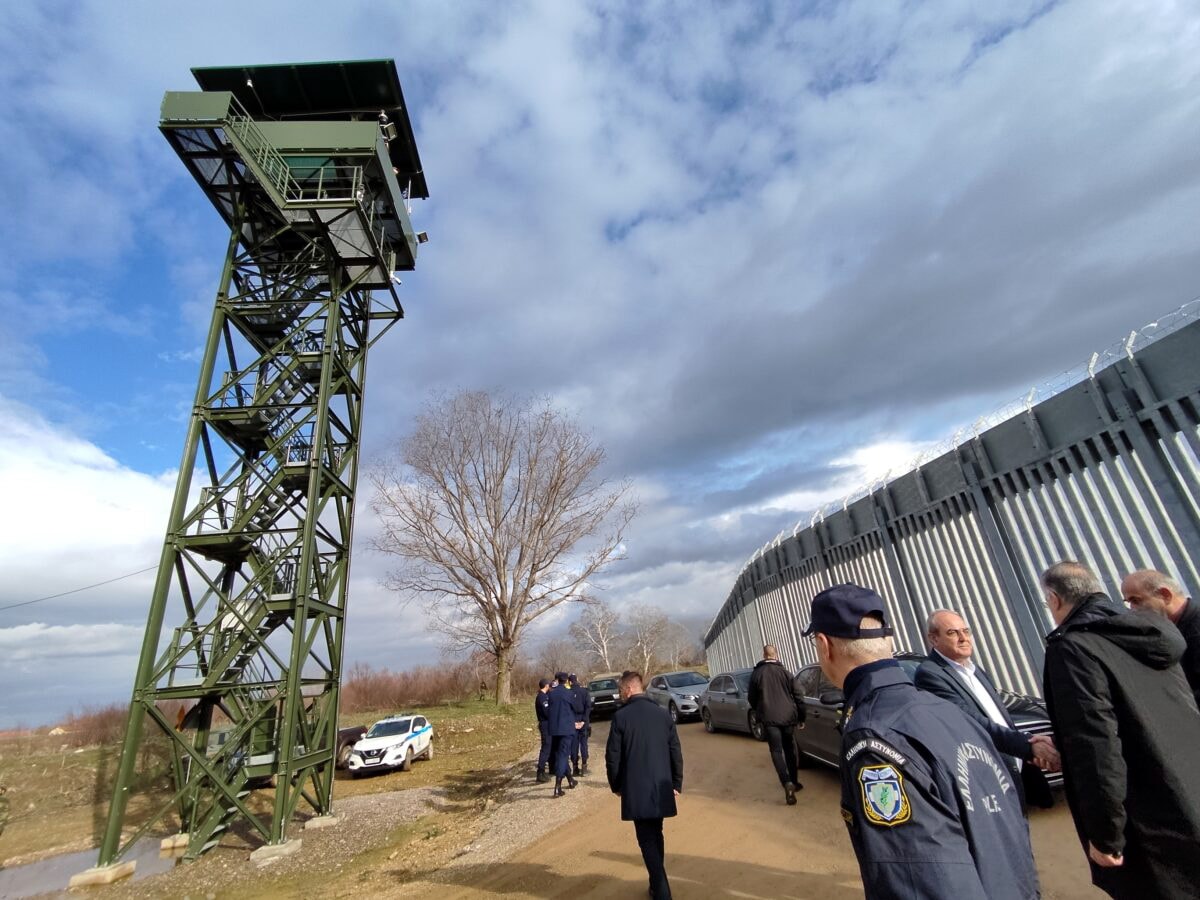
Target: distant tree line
644, 638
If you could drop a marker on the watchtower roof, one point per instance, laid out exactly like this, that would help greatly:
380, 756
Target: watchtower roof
346, 90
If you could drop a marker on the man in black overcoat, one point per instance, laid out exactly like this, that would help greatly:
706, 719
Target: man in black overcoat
1149, 590
1128, 730
645, 766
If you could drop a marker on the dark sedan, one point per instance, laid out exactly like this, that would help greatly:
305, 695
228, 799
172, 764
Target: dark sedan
724, 706
821, 739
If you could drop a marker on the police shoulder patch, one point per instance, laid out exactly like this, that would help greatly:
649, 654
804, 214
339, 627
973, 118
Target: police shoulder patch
883, 797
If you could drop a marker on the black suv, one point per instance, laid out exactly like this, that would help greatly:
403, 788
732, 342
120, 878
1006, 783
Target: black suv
605, 696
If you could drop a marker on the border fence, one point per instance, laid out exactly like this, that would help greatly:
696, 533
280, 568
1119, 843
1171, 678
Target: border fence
1101, 465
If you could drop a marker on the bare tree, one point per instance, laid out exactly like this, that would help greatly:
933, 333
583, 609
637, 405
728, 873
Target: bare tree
597, 634
497, 511
559, 655
644, 636
679, 646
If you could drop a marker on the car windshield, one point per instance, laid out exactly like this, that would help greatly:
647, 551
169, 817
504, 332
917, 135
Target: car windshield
387, 729
685, 679
743, 681
909, 666
608, 684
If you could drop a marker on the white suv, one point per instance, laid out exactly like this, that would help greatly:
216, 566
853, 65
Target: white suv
393, 742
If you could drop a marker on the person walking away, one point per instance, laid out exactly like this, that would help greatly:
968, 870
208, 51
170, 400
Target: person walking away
645, 767
1152, 591
950, 672
584, 707
1129, 734
541, 708
932, 813
563, 724
773, 700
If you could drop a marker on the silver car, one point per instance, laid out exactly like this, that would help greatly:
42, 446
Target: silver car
679, 692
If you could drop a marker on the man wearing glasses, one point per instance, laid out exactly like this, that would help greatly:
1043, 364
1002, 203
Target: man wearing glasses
950, 673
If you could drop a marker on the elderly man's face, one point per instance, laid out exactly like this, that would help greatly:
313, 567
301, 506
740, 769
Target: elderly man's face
1138, 597
951, 637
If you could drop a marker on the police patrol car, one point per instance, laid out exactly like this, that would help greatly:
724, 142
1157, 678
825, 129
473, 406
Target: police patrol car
392, 743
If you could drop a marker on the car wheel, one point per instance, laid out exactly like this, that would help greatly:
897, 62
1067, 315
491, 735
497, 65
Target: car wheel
428, 755
406, 764
674, 711
757, 731
343, 757
708, 722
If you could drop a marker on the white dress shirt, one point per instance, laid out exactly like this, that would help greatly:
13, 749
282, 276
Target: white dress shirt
966, 672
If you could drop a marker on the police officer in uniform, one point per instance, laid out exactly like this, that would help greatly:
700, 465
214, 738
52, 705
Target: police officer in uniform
580, 750
564, 721
541, 707
932, 811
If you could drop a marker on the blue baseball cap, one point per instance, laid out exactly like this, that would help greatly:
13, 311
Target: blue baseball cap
837, 612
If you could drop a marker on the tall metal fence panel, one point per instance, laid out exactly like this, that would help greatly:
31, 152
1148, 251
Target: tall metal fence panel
1102, 466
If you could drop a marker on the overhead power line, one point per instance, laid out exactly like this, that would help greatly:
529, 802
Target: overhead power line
77, 590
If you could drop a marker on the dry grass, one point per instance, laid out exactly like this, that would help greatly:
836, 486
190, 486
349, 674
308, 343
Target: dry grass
366, 688
58, 792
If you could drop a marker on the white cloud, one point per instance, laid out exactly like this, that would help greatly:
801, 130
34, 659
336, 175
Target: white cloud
767, 254
71, 510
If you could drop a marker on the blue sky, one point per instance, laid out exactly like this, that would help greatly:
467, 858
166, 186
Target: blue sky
765, 251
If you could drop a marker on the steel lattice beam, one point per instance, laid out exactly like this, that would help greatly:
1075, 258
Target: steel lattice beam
246, 622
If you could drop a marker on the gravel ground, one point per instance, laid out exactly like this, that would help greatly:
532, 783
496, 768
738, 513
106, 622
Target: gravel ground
464, 825
364, 823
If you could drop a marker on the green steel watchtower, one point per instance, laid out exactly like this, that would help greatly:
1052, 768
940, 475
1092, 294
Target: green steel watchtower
312, 167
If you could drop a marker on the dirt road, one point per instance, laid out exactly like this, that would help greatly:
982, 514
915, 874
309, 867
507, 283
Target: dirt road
733, 837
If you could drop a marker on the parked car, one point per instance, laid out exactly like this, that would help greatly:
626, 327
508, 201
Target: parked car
725, 705
605, 696
679, 692
347, 738
393, 743
821, 738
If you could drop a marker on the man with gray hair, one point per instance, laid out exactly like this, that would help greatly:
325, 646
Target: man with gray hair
1129, 734
1153, 591
932, 812
950, 672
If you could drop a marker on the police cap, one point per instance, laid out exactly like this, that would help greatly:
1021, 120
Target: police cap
838, 610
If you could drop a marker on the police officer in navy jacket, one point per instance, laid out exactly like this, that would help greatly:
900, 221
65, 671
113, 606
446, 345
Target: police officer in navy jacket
564, 721
584, 707
932, 811
645, 766
541, 707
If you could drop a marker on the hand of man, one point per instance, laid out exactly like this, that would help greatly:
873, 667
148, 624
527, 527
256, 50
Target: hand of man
1045, 755
578, 725
677, 793
1107, 860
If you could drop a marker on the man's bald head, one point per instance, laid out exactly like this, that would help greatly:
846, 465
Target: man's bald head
1154, 591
